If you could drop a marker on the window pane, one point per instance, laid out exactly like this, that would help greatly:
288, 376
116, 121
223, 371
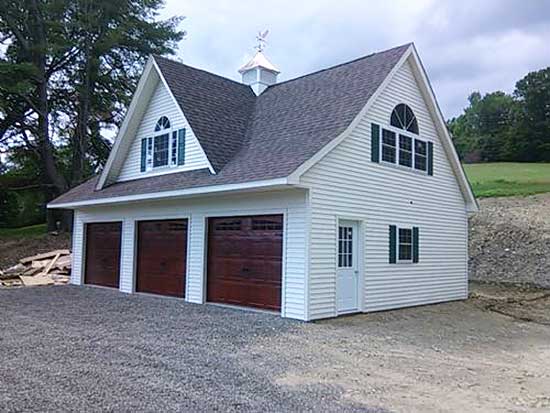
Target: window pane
160, 151
420, 147
405, 251
405, 235
388, 137
420, 162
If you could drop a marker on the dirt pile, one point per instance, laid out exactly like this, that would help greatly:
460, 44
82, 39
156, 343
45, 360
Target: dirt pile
510, 241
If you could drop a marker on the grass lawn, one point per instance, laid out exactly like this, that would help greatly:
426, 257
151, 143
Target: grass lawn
508, 179
24, 232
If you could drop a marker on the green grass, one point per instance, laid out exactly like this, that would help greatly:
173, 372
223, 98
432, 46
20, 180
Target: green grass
508, 179
24, 232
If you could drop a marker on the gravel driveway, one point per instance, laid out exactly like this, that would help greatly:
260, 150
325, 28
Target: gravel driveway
90, 349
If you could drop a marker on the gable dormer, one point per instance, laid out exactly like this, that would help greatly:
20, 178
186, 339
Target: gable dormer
164, 141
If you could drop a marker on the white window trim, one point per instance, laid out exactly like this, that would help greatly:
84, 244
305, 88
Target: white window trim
149, 157
397, 244
408, 134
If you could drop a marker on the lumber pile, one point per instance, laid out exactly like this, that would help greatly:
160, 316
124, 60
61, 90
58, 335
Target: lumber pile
49, 268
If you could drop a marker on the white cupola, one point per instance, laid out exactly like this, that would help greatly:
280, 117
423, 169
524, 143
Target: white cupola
259, 72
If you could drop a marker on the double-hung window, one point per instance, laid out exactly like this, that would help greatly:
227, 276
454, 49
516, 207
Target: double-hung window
420, 155
388, 146
166, 148
160, 150
405, 246
405, 150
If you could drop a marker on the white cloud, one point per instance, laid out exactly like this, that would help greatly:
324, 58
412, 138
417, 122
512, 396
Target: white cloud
466, 45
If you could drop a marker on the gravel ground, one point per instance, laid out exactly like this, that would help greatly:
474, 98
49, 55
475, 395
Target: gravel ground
510, 241
89, 349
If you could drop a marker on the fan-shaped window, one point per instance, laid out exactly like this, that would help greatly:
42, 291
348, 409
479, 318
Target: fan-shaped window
162, 123
403, 117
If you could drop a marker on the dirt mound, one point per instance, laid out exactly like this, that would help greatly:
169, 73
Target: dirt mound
12, 250
510, 241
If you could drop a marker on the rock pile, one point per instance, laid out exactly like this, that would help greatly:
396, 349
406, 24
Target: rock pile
510, 241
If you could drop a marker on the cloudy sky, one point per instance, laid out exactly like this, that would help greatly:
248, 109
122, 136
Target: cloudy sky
465, 45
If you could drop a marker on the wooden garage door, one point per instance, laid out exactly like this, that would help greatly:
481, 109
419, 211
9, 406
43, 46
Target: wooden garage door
245, 261
103, 254
161, 257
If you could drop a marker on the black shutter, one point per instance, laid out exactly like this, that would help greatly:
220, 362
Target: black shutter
430, 158
143, 154
375, 142
416, 245
181, 146
393, 239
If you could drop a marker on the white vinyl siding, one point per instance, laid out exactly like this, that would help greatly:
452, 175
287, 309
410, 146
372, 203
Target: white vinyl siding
346, 183
290, 203
162, 104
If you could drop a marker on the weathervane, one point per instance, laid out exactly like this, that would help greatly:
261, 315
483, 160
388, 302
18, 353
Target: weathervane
261, 40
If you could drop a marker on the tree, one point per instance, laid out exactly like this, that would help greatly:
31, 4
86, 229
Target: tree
114, 40
484, 127
532, 135
67, 72
36, 51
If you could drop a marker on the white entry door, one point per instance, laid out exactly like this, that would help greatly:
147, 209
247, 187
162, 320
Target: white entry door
347, 284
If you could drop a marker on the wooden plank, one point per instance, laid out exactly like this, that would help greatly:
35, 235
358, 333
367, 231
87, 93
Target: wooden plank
15, 282
40, 263
43, 256
49, 267
36, 280
63, 262
31, 271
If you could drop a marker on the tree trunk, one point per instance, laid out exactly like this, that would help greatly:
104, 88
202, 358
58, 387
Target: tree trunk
50, 173
82, 137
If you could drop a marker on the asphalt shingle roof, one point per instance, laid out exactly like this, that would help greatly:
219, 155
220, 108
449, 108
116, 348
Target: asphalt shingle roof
248, 137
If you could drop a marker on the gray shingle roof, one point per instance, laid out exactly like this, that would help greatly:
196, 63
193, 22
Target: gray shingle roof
249, 138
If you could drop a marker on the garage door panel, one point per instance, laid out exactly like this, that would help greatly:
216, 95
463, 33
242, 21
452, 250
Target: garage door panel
245, 261
103, 254
161, 257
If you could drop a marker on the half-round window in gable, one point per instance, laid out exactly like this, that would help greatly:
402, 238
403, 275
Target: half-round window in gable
162, 123
403, 117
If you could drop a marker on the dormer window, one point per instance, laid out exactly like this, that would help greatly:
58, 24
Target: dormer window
166, 148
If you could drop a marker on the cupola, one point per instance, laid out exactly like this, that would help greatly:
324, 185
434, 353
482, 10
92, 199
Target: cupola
259, 73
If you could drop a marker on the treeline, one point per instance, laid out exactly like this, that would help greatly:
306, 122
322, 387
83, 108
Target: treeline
502, 127
68, 69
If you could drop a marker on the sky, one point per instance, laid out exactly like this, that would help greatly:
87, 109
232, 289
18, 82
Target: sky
465, 45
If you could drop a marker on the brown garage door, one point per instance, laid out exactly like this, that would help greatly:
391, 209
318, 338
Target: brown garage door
245, 261
161, 257
103, 254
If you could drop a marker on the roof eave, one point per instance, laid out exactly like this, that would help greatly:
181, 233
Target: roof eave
269, 184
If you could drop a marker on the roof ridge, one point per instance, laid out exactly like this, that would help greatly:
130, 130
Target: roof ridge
295, 78
198, 69
340, 64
